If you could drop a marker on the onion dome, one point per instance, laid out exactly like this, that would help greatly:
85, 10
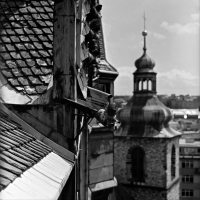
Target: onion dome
145, 116
144, 62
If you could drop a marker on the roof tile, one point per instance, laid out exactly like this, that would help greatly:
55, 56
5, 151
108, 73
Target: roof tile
5, 56
27, 71
23, 81
41, 62
4, 182
20, 46
22, 156
10, 167
27, 27
37, 71
25, 54
12, 162
28, 31
15, 55
30, 90
16, 72
7, 174
9, 141
4, 146
5, 39
40, 89
25, 153
17, 158
46, 79
7, 73
34, 80
21, 63
14, 81
10, 47
47, 44
20, 89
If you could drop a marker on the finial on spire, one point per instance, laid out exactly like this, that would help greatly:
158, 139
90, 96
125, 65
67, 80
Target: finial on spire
144, 21
144, 33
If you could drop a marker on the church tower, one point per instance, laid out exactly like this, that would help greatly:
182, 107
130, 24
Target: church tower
146, 149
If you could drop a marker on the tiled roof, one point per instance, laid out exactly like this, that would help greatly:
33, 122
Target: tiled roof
28, 167
26, 44
104, 65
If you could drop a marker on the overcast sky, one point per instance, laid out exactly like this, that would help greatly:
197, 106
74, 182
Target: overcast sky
172, 41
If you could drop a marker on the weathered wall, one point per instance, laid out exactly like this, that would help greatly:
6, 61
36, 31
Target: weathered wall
100, 156
122, 192
174, 192
154, 164
137, 193
157, 167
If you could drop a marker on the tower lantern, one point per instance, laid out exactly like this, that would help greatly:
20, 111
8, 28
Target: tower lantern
144, 76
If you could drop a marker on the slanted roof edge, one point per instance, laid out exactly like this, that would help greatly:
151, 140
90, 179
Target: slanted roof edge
59, 149
103, 49
109, 72
103, 185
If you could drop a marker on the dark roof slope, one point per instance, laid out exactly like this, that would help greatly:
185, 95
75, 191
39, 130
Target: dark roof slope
104, 64
26, 44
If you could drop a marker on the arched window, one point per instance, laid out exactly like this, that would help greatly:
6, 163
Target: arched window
140, 85
137, 170
150, 84
145, 85
135, 85
173, 163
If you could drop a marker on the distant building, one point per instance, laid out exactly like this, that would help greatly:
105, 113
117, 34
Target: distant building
181, 101
186, 120
146, 148
189, 154
189, 169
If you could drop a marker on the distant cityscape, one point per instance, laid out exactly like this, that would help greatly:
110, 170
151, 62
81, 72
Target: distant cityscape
173, 101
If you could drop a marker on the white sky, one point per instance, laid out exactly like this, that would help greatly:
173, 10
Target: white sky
172, 41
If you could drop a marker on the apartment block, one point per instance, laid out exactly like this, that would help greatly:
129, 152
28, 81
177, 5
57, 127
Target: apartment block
189, 169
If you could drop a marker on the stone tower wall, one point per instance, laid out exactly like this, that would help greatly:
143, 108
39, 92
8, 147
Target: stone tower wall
157, 167
154, 164
122, 192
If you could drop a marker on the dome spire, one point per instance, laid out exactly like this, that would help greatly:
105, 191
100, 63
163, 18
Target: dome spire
144, 33
144, 62
144, 21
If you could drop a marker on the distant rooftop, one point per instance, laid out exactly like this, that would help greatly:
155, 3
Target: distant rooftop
186, 112
189, 143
